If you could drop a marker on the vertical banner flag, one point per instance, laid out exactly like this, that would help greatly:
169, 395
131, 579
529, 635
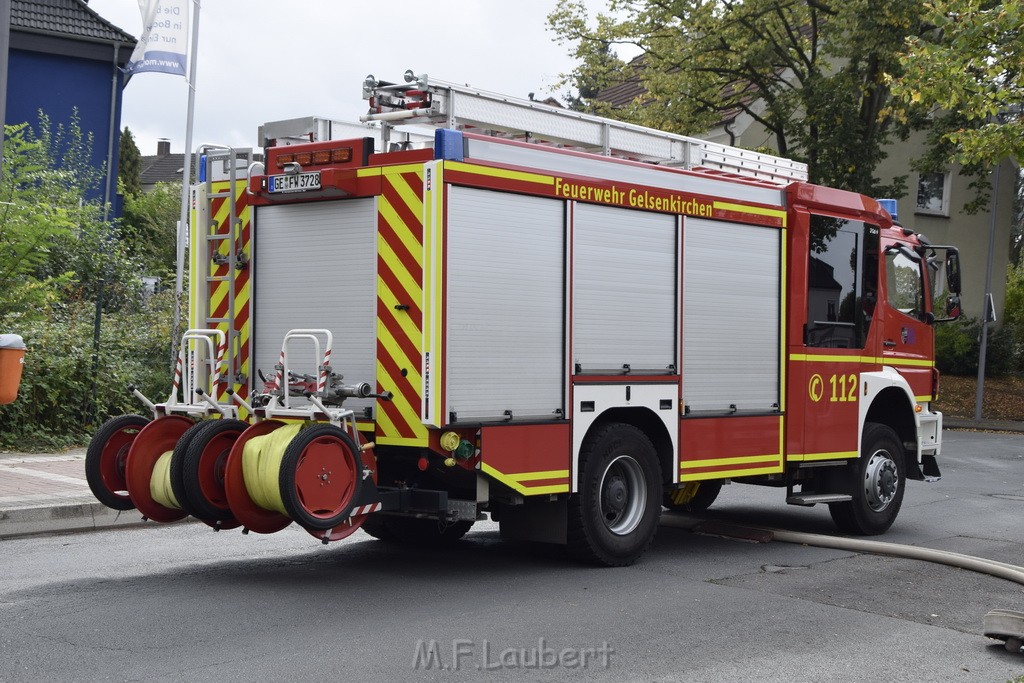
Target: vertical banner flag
164, 41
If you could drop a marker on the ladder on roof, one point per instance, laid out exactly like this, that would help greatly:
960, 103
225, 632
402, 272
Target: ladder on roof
441, 104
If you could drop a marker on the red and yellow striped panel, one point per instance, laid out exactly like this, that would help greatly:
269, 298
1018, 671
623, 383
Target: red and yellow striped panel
217, 291
400, 307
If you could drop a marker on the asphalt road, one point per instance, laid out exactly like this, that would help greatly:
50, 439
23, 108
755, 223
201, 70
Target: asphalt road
184, 603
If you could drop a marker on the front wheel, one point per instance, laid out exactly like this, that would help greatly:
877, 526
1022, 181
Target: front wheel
613, 518
878, 489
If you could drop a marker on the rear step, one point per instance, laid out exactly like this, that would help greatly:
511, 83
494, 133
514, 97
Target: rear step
811, 499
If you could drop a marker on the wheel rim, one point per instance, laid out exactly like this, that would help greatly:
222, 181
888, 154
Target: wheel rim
881, 480
212, 466
156, 438
114, 457
623, 495
324, 482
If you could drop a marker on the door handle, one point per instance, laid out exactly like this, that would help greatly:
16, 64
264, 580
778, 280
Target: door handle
889, 344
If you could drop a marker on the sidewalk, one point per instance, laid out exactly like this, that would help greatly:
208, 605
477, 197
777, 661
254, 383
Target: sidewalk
42, 493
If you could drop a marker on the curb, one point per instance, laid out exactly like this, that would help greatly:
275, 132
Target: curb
983, 425
50, 519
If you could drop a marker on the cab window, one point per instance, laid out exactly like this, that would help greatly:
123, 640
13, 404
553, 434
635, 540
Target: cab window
903, 281
842, 282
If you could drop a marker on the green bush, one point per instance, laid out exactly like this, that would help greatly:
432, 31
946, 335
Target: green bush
54, 407
957, 345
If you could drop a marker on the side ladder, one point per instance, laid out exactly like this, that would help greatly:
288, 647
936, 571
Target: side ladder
222, 240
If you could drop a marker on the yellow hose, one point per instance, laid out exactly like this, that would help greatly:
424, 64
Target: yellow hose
160, 482
261, 466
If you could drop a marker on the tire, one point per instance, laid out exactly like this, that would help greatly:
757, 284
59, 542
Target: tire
316, 497
202, 471
706, 494
613, 518
178, 464
417, 531
105, 460
880, 477
377, 526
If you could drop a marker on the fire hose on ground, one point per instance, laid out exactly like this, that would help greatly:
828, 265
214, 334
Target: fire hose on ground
999, 624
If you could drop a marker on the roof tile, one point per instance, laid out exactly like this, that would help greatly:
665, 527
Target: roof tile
67, 18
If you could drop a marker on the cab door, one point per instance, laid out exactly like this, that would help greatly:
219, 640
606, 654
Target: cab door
907, 334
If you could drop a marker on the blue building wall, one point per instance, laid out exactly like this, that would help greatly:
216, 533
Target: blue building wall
57, 84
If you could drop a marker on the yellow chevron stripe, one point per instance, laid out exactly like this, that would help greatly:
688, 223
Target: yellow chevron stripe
808, 457
536, 476
407, 325
410, 414
395, 352
730, 473
714, 462
875, 360
512, 483
412, 244
384, 425
409, 195
500, 173
411, 286
402, 441
755, 210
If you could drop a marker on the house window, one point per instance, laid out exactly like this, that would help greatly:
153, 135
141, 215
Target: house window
933, 194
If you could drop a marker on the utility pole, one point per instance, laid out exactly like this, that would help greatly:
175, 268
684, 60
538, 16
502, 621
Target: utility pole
5, 42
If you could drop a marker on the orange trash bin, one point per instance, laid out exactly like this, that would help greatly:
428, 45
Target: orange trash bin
12, 359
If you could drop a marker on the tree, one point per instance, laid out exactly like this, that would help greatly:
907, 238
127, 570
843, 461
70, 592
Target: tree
150, 222
28, 226
54, 245
811, 72
971, 63
129, 164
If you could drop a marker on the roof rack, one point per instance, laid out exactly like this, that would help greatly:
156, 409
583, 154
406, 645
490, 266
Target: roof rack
422, 101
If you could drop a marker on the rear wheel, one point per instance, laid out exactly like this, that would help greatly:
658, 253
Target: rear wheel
695, 496
106, 457
880, 478
416, 531
613, 517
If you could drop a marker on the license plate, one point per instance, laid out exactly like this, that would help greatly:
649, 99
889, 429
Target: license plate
295, 182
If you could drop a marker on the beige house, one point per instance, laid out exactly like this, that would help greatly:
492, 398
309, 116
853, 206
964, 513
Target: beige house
933, 206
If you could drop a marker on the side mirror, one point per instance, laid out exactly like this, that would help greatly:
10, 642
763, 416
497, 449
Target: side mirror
953, 272
953, 306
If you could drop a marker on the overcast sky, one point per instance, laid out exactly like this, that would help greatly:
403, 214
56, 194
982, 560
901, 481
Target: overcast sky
263, 60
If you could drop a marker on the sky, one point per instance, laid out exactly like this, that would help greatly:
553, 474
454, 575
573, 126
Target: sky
261, 60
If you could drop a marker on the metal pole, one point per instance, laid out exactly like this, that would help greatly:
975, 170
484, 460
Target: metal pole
5, 41
988, 294
186, 173
111, 131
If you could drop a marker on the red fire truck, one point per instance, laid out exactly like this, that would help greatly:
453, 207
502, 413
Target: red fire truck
562, 321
